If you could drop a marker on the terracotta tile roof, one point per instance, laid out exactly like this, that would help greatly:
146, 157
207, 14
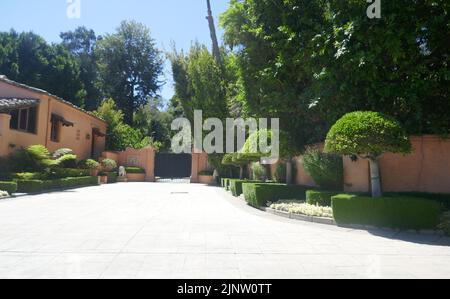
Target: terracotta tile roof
3, 78
7, 104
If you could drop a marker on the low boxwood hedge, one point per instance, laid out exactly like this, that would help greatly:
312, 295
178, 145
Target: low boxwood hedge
10, 187
38, 186
320, 198
441, 198
135, 170
112, 177
235, 186
226, 183
394, 212
260, 194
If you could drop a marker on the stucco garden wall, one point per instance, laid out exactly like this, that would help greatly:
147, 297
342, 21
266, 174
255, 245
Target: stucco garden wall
199, 163
144, 158
427, 169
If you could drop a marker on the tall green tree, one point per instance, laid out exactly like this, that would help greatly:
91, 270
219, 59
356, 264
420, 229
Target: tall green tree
120, 136
154, 121
199, 83
82, 44
29, 59
130, 66
311, 61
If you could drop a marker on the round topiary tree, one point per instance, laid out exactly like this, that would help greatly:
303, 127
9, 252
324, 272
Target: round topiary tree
368, 135
287, 151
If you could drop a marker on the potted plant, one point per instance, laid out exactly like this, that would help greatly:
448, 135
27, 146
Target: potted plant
135, 174
107, 166
206, 177
91, 165
102, 178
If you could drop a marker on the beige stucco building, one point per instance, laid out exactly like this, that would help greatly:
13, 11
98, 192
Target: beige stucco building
30, 116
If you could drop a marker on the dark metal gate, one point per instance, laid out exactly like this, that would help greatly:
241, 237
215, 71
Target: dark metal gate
173, 165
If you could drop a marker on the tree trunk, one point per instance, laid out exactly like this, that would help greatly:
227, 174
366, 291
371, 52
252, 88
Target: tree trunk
212, 29
289, 171
375, 177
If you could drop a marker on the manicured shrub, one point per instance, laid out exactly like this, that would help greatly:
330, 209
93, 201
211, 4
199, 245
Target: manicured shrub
280, 173
69, 173
259, 195
327, 170
226, 183
368, 135
235, 186
135, 170
39, 186
109, 165
443, 199
394, 212
18, 161
30, 176
30, 186
10, 187
320, 198
259, 172
206, 173
62, 152
67, 161
112, 177
88, 164
41, 158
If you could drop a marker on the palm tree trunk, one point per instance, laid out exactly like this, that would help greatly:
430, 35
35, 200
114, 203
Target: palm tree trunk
375, 177
212, 29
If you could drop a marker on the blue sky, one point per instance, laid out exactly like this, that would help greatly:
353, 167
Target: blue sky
180, 21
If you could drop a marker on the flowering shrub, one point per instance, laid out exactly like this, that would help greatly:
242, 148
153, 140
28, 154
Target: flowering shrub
299, 207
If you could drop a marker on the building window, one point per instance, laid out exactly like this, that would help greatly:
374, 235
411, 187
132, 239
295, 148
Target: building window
54, 134
24, 120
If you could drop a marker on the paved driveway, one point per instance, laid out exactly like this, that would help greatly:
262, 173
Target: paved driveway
192, 231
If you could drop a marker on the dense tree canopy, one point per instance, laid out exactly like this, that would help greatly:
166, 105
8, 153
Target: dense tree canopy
81, 43
199, 83
29, 59
130, 66
312, 61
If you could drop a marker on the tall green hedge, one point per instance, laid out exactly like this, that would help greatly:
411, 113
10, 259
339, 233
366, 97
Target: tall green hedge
10, 187
321, 198
394, 212
235, 186
259, 195
38, 186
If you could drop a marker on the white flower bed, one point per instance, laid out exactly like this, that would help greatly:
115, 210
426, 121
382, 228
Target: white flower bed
299, 207
3, 194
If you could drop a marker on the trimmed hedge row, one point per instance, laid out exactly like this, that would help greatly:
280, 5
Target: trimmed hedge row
320, 198
112, 177
134, 170
443, 199
38, 186
10, 187
235, 186
226, 183
259, 195
394, 212
55, 174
